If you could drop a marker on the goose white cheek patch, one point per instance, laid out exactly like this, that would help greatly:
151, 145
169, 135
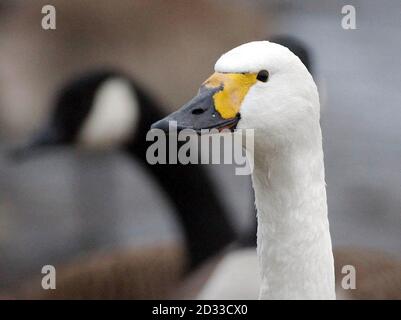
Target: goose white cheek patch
113, 116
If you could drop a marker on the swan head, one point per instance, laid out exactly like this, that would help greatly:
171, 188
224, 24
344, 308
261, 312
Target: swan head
259, 85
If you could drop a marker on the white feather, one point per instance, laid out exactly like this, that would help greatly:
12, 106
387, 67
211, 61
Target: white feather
113, 117
236, 277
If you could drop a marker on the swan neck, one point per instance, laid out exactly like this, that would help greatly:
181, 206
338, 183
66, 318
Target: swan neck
294, 244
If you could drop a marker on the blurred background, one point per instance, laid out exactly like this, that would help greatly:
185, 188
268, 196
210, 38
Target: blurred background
67, 204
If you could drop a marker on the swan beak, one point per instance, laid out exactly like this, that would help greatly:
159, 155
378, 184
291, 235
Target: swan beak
198, 114
216, 106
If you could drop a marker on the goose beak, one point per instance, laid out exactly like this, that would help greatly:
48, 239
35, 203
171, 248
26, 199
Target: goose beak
216, 106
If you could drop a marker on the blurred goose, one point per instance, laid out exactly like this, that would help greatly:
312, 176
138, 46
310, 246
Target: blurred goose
107, 109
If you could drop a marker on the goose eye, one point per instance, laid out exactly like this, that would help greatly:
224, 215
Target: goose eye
263, 75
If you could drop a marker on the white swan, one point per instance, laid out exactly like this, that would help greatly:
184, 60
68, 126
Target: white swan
263, 86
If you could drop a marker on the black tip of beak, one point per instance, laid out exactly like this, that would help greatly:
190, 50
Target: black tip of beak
173, 123
162, 124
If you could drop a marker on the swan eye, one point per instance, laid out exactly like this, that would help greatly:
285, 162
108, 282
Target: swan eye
263, 75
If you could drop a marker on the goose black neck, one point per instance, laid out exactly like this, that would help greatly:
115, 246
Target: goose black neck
189, 188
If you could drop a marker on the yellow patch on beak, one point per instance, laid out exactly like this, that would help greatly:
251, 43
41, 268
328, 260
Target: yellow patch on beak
235, 87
